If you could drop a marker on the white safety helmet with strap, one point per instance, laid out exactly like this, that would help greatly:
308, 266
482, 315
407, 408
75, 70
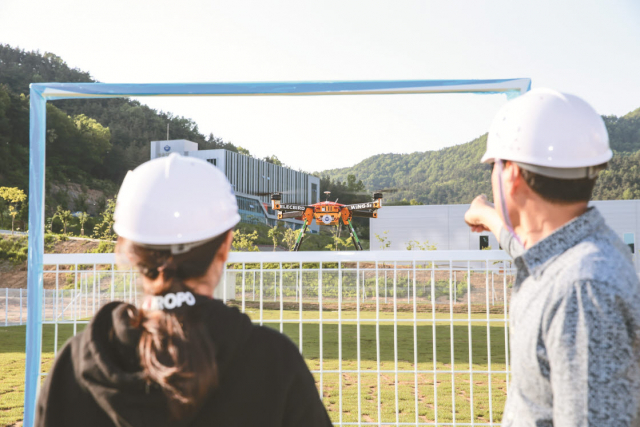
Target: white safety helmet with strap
550, 133
175, 203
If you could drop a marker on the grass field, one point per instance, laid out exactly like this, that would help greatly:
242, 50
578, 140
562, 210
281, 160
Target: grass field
434, 403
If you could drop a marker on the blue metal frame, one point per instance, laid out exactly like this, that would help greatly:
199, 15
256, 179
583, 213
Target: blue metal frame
42, 92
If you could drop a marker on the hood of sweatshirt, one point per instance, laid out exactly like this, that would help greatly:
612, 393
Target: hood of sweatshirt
106, 361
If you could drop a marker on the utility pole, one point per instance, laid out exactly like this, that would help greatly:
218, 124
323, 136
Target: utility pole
167, 131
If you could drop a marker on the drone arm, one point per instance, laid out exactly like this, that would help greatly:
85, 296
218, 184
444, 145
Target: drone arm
364, 214
368, 205
293, 214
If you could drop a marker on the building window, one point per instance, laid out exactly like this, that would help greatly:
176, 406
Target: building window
212, 161
314, 193
484, 242
630, 240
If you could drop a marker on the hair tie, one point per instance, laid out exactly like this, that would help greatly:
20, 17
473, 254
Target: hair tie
168, 302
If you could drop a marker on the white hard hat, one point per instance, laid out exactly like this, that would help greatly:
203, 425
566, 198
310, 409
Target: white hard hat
550, 133
175, 203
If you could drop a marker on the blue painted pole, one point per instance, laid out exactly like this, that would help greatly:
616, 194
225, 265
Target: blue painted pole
37, 133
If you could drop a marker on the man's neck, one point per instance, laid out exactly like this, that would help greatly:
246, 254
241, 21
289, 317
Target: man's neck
538, 219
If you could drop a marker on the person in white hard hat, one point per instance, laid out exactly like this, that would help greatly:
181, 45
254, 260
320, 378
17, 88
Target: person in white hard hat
575, 304
181, 358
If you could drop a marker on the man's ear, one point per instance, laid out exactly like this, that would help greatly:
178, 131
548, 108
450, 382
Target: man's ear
513, 177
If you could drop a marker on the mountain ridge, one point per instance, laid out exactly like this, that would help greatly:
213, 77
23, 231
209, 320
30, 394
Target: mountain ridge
454, 175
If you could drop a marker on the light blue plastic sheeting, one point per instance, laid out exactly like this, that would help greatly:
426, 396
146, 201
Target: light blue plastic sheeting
53, 91
43, 92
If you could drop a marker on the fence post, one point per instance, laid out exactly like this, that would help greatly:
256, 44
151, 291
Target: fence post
364, 287
455, 287
113, 281
493, 291
224, 283
94, 290
131, 286
243, 286
385, 285
408, 288
75, 301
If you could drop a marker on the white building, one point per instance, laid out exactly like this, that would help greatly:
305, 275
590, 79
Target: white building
444, 226
253, 180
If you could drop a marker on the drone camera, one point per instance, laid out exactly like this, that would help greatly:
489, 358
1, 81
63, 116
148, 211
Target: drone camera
377, 196
276, 196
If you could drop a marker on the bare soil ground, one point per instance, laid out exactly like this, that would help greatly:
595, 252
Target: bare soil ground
15, 276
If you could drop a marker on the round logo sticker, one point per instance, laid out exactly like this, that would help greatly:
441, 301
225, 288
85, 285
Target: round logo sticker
167, 148
326, 219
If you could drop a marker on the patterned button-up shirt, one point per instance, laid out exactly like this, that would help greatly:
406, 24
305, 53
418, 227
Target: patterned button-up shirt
575, 329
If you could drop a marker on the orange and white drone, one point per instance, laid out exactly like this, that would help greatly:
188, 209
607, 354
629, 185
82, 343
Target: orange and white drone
327, 213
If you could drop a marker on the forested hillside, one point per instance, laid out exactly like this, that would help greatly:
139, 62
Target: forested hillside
454, 174
89, 142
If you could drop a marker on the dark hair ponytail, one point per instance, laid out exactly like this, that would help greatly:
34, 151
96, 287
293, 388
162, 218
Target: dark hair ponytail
175, 348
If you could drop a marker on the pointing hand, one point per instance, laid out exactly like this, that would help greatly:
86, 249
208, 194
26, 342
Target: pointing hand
482, 216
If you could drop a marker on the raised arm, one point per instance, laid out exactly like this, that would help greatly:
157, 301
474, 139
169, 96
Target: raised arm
482, 216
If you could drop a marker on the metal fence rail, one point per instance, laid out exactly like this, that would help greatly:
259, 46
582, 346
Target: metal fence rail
392, 337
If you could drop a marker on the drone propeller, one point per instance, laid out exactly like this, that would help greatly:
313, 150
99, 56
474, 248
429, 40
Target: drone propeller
368, 193
388, 190
269, 193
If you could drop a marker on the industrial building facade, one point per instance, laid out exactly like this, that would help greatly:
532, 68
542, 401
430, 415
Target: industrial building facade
444, 226
253, 180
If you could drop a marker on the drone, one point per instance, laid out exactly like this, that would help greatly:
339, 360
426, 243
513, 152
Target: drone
327, 213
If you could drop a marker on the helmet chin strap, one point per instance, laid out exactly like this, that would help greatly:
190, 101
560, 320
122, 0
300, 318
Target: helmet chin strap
503, 204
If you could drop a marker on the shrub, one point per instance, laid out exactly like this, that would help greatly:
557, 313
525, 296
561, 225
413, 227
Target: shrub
13, 249
105, 248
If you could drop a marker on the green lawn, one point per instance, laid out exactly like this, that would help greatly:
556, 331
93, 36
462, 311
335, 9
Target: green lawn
451, 389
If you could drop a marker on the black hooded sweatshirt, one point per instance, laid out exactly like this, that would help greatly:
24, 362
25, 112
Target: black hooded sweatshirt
263, 380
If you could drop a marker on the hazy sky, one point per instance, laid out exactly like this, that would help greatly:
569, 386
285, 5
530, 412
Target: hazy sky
590, 48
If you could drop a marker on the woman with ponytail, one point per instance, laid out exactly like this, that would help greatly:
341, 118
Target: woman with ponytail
181, 358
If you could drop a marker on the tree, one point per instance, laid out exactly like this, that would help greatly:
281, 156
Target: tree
14, 196
64, 216
82, 217
81, 203
275, 233
95, 139
338, 243
385, 243
290, 237
244, 242
273, 160
104, 230
244, 151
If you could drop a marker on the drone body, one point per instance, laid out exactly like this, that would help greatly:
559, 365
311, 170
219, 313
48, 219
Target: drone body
327, 213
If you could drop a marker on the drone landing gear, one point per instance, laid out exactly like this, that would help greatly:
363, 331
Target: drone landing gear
301, 236
354, 237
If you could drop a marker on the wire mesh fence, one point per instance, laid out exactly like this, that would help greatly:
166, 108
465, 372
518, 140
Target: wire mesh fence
392, 339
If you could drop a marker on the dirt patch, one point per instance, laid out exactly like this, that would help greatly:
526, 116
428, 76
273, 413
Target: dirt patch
15, 276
